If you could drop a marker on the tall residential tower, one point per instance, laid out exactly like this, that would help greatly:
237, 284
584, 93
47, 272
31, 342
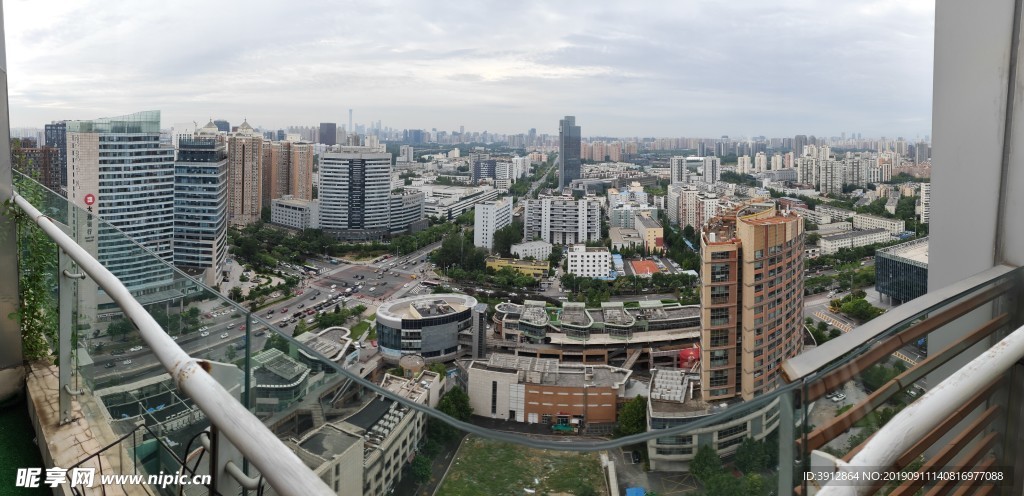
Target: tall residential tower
201, 199
752, 300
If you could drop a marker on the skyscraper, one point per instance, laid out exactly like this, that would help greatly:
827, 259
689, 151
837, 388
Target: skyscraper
488, 218
245, 175
328, 133
354, 189
223, 126
201, 199
569, 142
752, 300
118, 170
55, 136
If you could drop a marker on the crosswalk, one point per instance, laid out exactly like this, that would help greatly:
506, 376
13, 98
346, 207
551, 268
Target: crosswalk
842, 326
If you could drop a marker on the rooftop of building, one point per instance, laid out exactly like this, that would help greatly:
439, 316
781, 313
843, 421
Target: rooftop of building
672, 394
292, 201
326, 442
647, 222
551, 372
422, 306
330, 342
853, 234
575, 314
534, 313
532, 244
370, 414
543, 264
588, 249
879, 218
915, 251
276, 369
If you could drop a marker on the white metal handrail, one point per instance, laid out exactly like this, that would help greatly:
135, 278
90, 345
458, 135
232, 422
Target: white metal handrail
922, 416
286, 473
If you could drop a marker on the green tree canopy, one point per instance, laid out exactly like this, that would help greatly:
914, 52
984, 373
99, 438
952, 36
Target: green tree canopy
632, 417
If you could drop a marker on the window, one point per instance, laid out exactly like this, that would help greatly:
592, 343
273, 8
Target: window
719, 316
720, 255
759, 254
732, 431
719, 337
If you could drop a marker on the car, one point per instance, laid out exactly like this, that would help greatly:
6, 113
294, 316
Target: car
203, 328
636, 456
333, 290
231, 325
204, 334
109, 365
135, 348
223, 335
260, 332
271, 312
310, 320
126, 362
332, 287
284, 310
301, 305
175, 338
839, 397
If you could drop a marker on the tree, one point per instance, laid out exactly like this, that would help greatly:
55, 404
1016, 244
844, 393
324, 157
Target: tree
455, 403
706, 464
300, 328
421, 468
556, 255
632, 417
235, 293
690, 234
813, 238
507, 236
276, 341
120, 327
750, 456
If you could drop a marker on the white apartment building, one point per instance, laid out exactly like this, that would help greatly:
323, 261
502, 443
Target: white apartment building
865, 221
833, 243
488, 217
838, 214
589, 261
295, 213
119, 171
406, 210
679, 173
562, 220
539, 250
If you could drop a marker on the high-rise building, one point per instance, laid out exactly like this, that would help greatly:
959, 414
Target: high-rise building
245, 175
118, 170
223, 126
276, 170
328, 133
925, 208
678, 171
712, 170
752, 300
55, 136
41, 163
488, 218
562, 220
799, 142
569, 138
201, 199
300, 177
354, 192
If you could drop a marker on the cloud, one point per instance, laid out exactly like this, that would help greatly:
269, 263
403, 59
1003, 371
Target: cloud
701, 68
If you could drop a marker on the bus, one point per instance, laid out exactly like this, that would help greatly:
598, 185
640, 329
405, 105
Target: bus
311, 268
430, 284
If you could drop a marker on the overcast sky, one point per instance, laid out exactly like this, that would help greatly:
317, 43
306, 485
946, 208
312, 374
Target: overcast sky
636, 68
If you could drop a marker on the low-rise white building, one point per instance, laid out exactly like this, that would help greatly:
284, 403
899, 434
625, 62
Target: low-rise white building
365, 453
295, 213
865, 221
833, 243
539, 250
589, 261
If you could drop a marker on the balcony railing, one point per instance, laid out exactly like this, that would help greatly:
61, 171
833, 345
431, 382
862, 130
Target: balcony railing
183, 382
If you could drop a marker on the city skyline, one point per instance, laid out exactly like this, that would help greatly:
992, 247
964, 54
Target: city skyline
705, 69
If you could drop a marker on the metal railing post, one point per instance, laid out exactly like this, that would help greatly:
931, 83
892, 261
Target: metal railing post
787, 442
65, 290
222, 452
